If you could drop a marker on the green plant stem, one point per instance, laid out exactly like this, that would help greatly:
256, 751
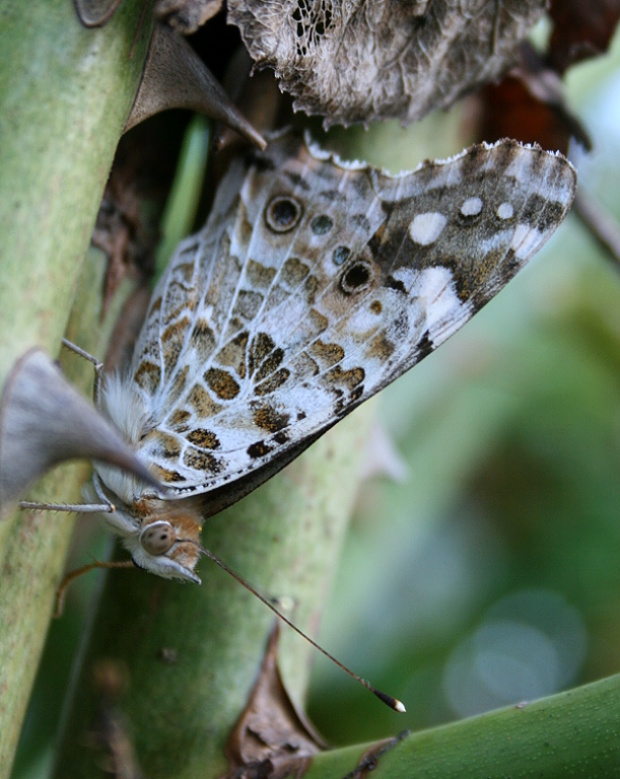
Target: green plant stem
574, 734
65, 93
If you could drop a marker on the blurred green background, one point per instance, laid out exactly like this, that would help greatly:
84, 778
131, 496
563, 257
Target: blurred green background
487, 573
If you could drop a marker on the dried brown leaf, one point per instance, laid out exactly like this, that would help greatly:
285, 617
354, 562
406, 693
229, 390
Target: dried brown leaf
270, 738
581, 30
529, 105
361, 61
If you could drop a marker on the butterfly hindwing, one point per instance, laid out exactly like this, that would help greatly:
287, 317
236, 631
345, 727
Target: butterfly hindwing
313, 285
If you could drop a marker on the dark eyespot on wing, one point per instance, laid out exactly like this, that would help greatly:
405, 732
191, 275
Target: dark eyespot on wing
340, 255
321, 224
356, 278
283, 214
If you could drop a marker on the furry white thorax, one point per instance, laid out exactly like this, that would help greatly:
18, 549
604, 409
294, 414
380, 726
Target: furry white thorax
122, 403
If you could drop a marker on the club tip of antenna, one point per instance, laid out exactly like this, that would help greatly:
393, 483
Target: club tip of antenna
393, 703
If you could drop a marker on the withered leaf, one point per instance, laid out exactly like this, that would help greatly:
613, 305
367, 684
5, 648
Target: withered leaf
367, 60
270, 738
581, 30
529, 105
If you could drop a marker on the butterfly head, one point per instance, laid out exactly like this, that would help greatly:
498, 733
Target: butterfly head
167, 541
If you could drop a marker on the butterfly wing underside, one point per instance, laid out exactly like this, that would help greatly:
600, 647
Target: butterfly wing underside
313, 285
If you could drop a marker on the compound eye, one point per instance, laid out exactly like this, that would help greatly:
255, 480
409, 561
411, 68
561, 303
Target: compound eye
158, 538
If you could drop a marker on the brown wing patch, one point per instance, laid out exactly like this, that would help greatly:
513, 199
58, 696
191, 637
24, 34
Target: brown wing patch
269, 365
202, 402
259, 449
179, 420
233, 354
173, 339
267, 418
347, 379
262, 345
293, 272
222, 383
271, 384
148, 376
162, 444
203, 340
326, 354
380, 347
259, 276
248, 304
200, 460
205, 439
165, 475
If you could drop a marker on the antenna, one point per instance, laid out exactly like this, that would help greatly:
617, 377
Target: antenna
393, 703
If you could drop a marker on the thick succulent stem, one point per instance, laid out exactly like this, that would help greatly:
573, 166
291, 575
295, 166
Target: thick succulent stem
65, 93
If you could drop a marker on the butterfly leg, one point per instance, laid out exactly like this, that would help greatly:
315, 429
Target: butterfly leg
98, 365
80, 508
61, 594
105, 507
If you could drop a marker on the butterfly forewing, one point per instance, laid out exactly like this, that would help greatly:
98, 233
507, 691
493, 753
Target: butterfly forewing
313, 285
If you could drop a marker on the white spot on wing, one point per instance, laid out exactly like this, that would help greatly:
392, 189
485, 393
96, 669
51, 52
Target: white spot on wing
472, 206
526, 241
426, 228
444, 311
505, 210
